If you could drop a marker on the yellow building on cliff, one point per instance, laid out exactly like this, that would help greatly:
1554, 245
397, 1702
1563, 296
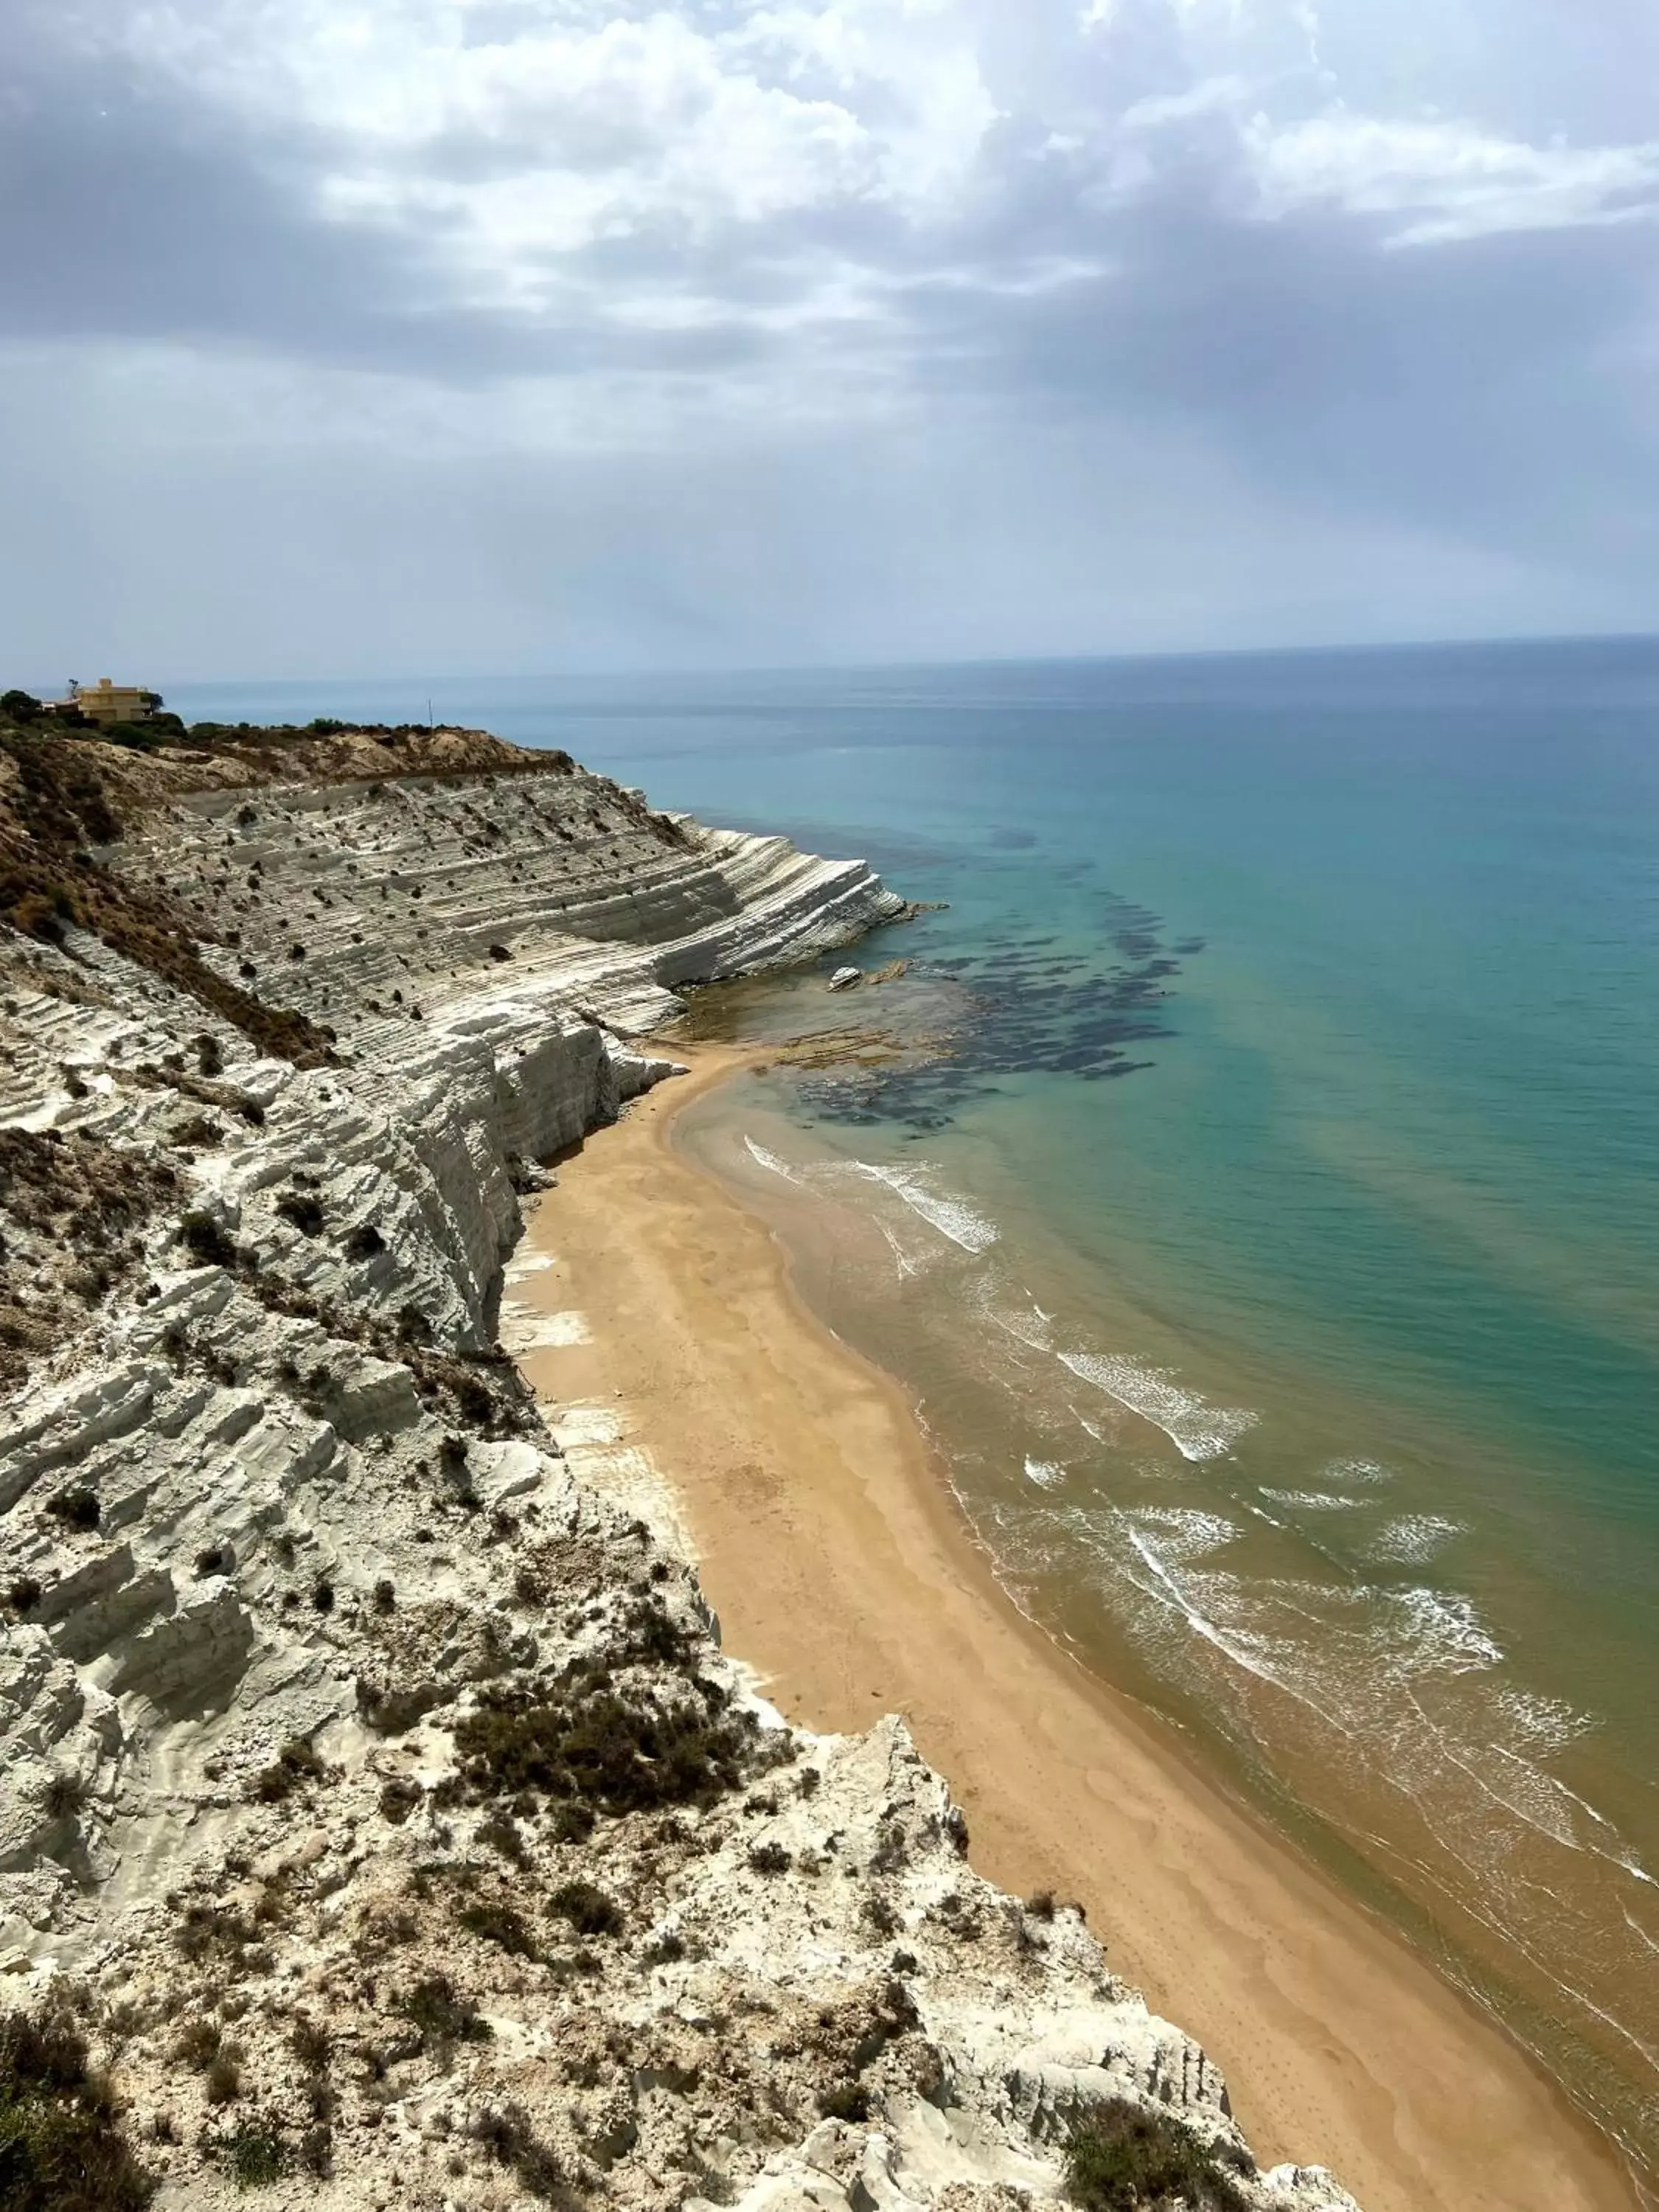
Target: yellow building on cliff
104, 702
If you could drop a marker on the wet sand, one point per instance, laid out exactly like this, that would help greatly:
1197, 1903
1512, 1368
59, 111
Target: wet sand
832, 1549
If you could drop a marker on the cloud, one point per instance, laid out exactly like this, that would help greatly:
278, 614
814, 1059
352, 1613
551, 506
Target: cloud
1451, 181
1364, 276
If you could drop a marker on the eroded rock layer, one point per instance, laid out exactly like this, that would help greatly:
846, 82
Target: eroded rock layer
375, 1800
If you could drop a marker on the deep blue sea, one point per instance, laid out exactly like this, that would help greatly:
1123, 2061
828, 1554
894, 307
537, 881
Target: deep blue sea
1268, 1180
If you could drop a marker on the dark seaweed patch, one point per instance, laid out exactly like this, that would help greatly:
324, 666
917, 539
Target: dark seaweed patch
1027, 1006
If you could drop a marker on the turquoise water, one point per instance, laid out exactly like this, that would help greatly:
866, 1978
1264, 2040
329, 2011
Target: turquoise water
1275, 1250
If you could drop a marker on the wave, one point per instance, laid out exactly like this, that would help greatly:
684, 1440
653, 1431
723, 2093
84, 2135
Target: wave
770, 1161
1198, 1430
902, 1259
1187, 1531
942, 1209
1312, 1501
1357, 1470
1439, 1633
1047, 1473
1415, 1538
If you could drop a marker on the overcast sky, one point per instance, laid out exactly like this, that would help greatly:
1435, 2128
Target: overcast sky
348, 337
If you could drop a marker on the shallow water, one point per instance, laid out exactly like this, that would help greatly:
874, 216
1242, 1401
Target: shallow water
1256, 1187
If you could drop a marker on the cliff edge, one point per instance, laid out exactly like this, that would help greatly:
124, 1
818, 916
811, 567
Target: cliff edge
380, 1822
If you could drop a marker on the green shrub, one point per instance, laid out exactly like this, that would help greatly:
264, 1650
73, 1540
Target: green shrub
224, 2078
61, 2146
612, 1754
497, 1922
255, 2155
206, 1241
440, 2016
587, 1908
77, 1508
295, 1764
1127, 2157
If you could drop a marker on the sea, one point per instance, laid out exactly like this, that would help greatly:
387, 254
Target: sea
1249, 1163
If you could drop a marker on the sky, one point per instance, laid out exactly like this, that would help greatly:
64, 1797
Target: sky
480, 336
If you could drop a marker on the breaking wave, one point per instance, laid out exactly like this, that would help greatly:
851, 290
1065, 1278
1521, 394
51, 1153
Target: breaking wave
770, 1161
1198, 1430
1415, 1538
942, 1209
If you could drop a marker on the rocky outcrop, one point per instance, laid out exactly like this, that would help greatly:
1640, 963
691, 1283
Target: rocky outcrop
373, 1788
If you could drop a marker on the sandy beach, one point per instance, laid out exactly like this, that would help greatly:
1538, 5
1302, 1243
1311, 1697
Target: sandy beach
830, 1546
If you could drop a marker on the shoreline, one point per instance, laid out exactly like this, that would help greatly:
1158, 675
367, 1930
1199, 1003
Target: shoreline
830, 1545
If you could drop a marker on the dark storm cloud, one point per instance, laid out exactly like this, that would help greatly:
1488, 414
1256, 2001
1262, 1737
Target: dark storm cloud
123, 216
744, 303
1498, 376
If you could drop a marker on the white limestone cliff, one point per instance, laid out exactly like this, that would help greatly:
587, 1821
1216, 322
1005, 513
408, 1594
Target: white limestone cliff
319, 1650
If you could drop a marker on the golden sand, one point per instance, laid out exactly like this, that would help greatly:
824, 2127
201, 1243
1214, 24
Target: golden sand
832, 1549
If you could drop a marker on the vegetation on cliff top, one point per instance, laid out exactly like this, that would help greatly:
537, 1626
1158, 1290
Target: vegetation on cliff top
1128, 2157
56, 805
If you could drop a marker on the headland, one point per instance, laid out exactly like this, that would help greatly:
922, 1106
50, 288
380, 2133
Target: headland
382, 1818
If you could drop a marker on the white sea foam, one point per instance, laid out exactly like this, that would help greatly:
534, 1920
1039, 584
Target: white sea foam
1045, 1472
1185, 1532
1541, 1725
1406, 1687
1415, 1538
770, 1161
1357, 1470
951, 1216
1439, 1633
1312, 1501
1253, 1654
1027, 1324
1198, 1430
902, 1259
